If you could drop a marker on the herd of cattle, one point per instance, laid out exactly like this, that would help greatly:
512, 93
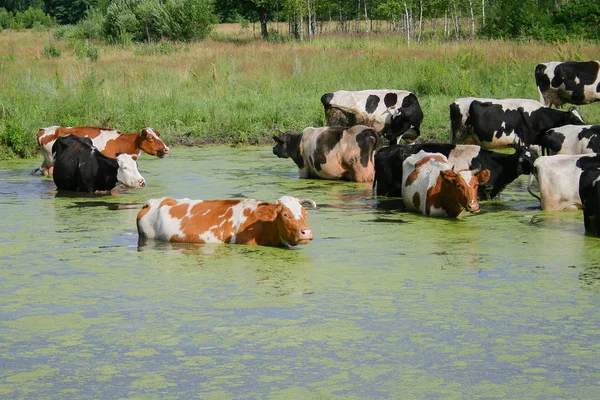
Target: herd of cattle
436, 179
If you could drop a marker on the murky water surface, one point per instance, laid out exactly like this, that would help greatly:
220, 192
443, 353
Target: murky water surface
382, 304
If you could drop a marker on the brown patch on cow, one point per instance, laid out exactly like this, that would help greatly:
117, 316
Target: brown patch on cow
145, 209
412, 177
417, 200
442, 195
169, 202
179, 211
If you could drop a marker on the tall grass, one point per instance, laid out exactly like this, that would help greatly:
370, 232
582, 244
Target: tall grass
221, 91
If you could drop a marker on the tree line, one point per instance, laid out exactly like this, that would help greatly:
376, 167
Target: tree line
186, 20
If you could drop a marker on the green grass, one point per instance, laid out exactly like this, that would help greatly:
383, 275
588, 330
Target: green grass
227, 92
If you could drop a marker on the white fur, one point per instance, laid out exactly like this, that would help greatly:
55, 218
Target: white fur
128, 173
572, 144
558, 179
426, 179
293, 204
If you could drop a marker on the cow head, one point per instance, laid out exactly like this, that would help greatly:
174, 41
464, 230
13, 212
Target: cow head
128, 173
525, 159
400, 127
575, 117
150, 142
290, 219
282, 143
462, 186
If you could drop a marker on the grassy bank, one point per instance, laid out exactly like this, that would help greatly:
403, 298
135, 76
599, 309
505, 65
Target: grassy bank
219, 91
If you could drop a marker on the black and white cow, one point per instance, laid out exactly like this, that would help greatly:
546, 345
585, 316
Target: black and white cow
504, 168
589, 192
331, 152
558, 179
393, 113
568, 82
505, 122
79, 166
572, 139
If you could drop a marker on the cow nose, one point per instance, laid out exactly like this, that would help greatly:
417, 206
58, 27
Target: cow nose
141, 182
306, 234
473, 207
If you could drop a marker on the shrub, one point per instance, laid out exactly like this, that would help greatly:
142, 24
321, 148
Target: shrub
152, 20
5, 18
50, 51
32, 17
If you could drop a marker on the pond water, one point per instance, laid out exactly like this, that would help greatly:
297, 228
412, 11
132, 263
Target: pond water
381, 304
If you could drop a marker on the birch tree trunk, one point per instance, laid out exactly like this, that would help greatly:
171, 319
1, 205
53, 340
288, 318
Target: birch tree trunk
366, 18
472, 19
407, 23
420, 19
483, 13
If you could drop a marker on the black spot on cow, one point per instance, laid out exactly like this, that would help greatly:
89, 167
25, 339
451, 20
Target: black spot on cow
588, 162
456, 124
593, 134
541, 79
287, 145
589, 192
367, 141
372, 103
390, 99
575, 75
598, 88
552, 141
325, 143
409, 116
488, 118
326, 99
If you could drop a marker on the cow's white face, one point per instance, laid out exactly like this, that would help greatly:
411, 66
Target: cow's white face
128, 173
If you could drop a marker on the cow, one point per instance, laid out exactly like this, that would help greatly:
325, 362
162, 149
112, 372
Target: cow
430, 185
245, 221
505, 122
571, 139
558, 180
393, 113
589, 192
568, 82
504, 168
80, 167
108, 141
331, 152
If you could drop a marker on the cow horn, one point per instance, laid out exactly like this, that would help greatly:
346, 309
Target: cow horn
309, 201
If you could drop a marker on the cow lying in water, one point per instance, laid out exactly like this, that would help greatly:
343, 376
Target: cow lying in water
501, 123
331, 152
558, 179
575, 82
589, 192
431, 186
225, 221
504, 168
108, 141
393, 113
79, 166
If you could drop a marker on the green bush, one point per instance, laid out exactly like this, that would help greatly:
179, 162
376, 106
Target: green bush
50, 51
5, 18
31, 18
152, 20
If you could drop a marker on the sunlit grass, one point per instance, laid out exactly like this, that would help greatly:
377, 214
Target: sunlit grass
224, 91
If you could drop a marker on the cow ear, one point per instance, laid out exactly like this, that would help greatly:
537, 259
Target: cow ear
134, 157
267, 211
277, 139
447, 174
483, 176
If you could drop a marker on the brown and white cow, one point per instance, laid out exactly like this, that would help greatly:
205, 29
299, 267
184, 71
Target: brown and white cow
225, 221
110, 142
331, 152
431, 186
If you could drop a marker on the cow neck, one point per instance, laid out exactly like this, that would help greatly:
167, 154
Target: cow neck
295, 150
128, 143
260, 232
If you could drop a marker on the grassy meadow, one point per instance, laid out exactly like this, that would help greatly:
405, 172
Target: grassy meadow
234, 91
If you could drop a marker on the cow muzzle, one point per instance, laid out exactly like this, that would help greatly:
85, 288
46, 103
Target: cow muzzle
141, 183
473, 207
305, 236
